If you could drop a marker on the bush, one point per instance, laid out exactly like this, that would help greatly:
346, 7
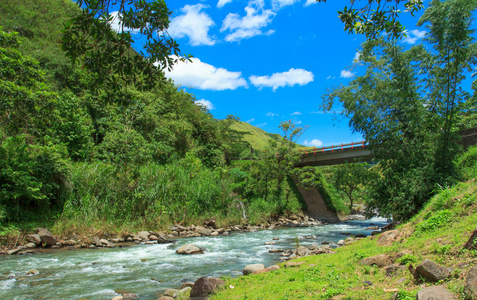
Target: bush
466, 164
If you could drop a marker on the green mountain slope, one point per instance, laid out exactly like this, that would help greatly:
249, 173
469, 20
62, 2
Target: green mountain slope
256, 137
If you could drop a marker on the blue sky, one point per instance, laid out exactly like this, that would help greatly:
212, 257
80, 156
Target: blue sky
267, 61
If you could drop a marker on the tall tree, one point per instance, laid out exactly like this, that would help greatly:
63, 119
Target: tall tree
455, 52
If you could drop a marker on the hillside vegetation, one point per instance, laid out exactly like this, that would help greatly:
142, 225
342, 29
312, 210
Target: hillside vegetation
438, 232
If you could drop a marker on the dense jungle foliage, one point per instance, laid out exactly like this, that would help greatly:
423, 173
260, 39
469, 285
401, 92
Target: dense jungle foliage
82, 153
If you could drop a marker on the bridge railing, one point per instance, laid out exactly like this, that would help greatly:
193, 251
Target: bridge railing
332, 148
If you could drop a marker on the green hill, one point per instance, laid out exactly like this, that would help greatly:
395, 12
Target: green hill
256, 137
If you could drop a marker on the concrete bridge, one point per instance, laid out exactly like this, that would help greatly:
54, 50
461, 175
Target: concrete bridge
358, 151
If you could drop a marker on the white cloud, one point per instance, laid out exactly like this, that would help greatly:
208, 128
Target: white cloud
193, 24
203, 76
346, 74
221, 3
313, 143
205, 103
277, 4
261, 125
271, 115
290, 78
116, 23
309, 2
250, 25
356, 56
250, 121
297, 113
413, 36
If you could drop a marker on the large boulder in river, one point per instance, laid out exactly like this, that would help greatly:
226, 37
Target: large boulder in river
46, 237
203, 231
189, 249
205, 286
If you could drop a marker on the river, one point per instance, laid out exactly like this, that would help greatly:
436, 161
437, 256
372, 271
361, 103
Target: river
148, 270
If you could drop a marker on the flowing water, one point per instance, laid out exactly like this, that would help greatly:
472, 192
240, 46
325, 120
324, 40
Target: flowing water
148, 270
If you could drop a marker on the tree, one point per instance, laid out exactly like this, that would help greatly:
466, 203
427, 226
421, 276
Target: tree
350, 179
89, 38
377, 16
386, 107
450, 34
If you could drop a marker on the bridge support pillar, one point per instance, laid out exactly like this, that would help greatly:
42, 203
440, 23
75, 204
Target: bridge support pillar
316, 207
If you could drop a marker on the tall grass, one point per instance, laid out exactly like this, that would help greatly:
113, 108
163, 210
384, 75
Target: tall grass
150, 196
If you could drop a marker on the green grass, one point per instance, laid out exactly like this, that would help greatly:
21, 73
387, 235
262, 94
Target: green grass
257, 137
438, 233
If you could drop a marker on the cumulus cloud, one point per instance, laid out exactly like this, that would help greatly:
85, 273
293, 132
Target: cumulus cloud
204, 76
194, 24
346, 74
205, 103
277, 4
221, 3
309, 2
413, 36
297, 113
116, 23
250, 25
313, 143
289, 78
356, 56
250, 121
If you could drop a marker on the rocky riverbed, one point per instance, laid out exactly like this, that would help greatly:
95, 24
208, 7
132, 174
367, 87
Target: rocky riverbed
148, 267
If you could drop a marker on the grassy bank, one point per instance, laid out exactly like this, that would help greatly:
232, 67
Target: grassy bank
438, 233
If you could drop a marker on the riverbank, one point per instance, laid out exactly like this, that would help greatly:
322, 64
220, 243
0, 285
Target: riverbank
148, 270
385, 266
41, 238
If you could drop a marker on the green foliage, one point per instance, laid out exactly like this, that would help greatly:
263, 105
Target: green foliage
375, 18
408, 100
435, 221
466, 162
407, 259
351, 179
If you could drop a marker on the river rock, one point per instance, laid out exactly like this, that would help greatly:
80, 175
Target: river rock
215, 233
388, 237
432, 271
170, 292
381, 260
302, 251
189, 249
183, 294
187, 284
249, 269
34, 238
211, 222
118, 298
165, 298
30, 245
14, 251
269, 243
205, 286
470, 287
203, 231
143, 235
221, 230
266, 270
46, 237
226, 233
437, 292
130, 296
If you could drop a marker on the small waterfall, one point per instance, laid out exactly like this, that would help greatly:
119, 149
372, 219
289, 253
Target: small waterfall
243, 210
